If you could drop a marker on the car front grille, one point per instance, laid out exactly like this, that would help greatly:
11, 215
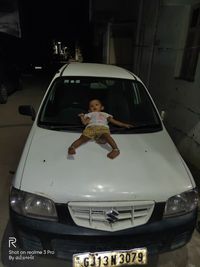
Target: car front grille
111, 216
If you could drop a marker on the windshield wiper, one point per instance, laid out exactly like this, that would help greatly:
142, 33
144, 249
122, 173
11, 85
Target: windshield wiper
145, 126
113, 128
62, 127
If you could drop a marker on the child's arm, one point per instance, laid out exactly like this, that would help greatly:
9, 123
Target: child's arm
119, 123
84, 120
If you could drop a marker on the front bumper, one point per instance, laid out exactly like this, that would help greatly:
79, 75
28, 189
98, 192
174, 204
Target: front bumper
65, 238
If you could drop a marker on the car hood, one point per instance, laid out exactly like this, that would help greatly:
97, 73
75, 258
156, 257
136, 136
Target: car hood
149, 167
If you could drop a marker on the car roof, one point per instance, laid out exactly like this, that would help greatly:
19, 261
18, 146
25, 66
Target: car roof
95, 70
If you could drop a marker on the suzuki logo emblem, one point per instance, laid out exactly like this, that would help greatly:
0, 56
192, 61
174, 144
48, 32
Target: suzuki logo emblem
112, 215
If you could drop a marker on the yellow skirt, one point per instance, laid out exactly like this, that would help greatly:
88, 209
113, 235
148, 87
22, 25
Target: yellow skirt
95, 132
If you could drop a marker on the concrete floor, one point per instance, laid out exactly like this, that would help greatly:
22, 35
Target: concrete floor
14, 129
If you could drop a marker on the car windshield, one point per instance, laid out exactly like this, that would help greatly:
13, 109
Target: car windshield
126, 100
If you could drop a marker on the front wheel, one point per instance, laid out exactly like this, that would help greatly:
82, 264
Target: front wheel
198, 220
3, 94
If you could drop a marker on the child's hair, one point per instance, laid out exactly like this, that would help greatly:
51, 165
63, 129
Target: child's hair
96, 100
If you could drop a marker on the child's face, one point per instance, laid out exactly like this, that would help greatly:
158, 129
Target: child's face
95, 106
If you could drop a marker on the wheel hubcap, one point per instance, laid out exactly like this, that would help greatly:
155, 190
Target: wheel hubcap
3, 92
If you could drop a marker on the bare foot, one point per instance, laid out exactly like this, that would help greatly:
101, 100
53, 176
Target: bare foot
114, 153
71, 150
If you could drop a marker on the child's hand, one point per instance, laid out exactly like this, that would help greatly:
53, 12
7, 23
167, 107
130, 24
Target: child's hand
84, 120
128, 126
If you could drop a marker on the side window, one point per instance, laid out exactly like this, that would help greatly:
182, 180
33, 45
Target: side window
136, 98
143, 110
192, 47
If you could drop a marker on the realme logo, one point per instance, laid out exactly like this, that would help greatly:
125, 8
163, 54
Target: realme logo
11, 242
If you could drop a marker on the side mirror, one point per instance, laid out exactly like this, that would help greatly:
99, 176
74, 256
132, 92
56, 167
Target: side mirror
28, 111
163, 114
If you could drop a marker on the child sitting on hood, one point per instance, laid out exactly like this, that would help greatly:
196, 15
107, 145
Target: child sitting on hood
97, 128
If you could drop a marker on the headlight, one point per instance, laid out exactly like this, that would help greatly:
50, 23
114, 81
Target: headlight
32, 205
181, 204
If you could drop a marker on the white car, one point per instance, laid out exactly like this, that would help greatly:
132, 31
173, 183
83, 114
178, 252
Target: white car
143, 200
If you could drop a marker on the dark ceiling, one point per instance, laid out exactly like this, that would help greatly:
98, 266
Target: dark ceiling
54, 19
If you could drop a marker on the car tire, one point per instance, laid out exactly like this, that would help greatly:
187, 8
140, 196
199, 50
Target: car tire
20, 85
3, 94
198, 220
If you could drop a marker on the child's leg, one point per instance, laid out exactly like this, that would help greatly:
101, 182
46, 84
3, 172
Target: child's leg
115, 150
82, 139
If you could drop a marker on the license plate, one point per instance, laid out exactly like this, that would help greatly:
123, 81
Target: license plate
111, 258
